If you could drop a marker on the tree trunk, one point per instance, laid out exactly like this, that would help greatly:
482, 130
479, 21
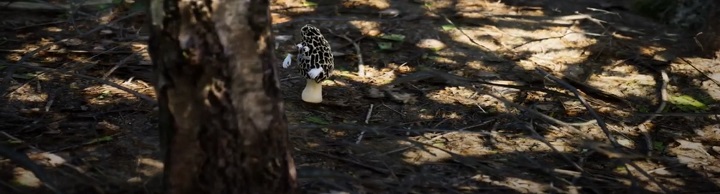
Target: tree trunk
709, 35
222, 125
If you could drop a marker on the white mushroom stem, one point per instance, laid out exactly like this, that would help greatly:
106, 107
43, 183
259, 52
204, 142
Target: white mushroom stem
312, 92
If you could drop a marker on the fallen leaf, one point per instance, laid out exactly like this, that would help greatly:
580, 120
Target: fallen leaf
691, 146
449, 27
26, 178
685, 102
432, 44
393, 37
51, 159
385, 45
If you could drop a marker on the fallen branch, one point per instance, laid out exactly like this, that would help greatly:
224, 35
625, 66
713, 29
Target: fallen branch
372, 168
601, 123
572, 89
118, 86
122, 62
23, 160
698, 70
361, 64
4, 84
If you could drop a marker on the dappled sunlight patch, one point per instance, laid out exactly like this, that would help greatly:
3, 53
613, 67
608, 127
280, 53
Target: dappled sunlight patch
485, 71
369, 28
23, 177
279, 18
443, 60
375, 76
550, 57
104, 94
471, 98
425, 155
53, 29
478, 9
29, 93
624, 85
377, 4
459, 37
149, 166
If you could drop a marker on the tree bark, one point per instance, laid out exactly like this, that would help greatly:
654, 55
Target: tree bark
222, 124
709, 35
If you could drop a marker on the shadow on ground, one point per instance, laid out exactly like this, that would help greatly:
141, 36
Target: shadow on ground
426, 134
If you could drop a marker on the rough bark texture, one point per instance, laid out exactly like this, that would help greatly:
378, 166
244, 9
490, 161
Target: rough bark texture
221, 115
709, 36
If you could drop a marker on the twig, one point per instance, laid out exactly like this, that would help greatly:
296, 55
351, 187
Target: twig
122, 62
71, 64
91, 142
382, 171
698, 70
600, 122
10, 71
24, 161
539, 40
398, 112
367, 121
38, 24
575, 92
361, 64
369, 114
118, 86
463, 32
663, 102
476, 125
542, 139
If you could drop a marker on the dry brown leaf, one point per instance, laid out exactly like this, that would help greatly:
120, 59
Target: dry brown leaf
691, 146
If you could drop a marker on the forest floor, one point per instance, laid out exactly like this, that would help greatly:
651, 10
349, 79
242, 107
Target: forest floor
461, 96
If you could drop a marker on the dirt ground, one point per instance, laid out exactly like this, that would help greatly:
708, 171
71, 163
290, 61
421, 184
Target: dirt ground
425, 117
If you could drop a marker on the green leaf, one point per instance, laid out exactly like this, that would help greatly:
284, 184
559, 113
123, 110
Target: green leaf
687, 103
393, 37
658, 145
104, 94
316, 120
385, 45
310, 4
14, 141
102, 139
449, 27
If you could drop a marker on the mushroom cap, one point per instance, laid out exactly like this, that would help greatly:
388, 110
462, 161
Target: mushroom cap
315, 56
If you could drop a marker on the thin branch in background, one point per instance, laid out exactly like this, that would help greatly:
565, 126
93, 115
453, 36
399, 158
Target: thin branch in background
23, 160
601, 123
358, 52
575, 92
118, 86
698, 70
372, 168
122, 62
4, 84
